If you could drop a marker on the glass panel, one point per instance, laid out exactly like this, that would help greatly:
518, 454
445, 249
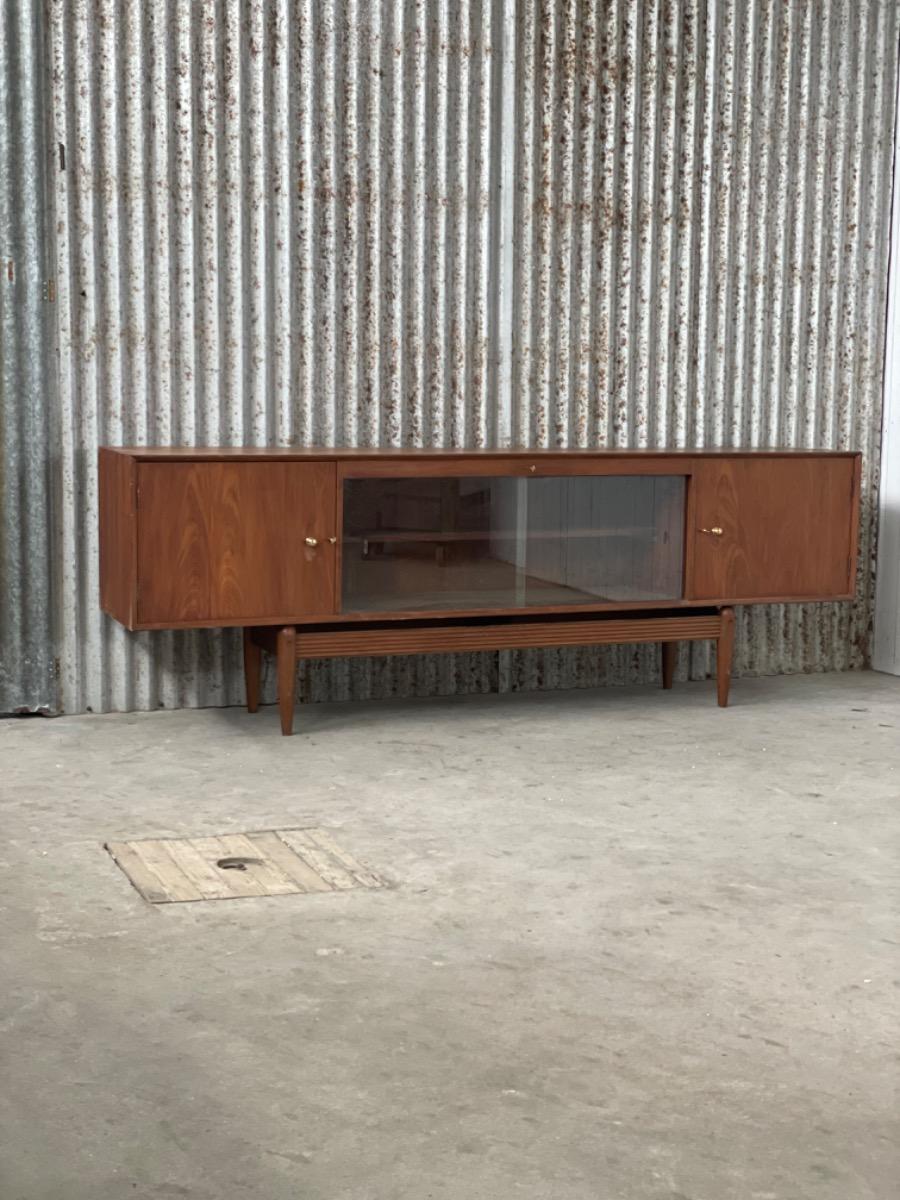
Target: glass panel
499, 542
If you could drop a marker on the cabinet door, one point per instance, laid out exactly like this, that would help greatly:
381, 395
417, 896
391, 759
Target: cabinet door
787, 528
224, 543
472, 543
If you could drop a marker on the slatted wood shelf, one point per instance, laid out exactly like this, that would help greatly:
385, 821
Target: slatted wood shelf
429, 639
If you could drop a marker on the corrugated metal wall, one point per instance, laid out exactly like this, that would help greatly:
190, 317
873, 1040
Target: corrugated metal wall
703, 207
27, 650
454, 223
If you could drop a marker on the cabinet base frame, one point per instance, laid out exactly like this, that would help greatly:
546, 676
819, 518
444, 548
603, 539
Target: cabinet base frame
431, 636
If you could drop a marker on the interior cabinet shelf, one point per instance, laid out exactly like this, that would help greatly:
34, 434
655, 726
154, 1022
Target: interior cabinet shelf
423, 535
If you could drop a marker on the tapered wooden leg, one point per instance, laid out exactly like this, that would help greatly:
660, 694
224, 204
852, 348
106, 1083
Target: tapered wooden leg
669, 658
252, 670
724, 653
287, 675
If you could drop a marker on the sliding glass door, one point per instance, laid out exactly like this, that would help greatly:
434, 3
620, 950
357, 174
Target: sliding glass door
457, 543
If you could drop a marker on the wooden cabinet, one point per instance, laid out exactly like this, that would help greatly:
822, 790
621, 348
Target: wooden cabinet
340, 552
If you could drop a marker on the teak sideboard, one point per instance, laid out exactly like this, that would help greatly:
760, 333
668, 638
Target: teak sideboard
324, 553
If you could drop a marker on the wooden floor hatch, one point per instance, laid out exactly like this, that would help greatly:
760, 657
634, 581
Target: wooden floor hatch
274, 862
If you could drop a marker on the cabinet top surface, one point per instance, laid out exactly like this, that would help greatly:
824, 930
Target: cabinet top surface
312, 453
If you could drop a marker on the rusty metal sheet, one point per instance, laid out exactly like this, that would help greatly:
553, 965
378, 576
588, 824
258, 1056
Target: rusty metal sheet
579, 223
27, 651
701, 256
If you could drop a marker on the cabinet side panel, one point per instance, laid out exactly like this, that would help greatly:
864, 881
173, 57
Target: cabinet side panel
118, 549
855, 495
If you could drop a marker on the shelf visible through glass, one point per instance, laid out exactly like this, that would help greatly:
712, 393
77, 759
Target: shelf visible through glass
458, 543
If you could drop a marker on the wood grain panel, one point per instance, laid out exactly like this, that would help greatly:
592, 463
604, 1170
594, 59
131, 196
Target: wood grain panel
274, 863
387, 453
222, 541
334, 643
118, 546
516, 466
787, 528
362, 618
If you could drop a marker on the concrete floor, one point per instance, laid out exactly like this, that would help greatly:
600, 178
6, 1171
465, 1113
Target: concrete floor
638, 948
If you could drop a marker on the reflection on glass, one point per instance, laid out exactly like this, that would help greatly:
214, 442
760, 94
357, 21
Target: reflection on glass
499, 542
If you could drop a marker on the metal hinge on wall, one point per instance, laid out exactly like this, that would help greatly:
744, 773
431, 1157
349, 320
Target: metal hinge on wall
48, 291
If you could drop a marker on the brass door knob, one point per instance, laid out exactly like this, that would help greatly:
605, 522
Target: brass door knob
716, 530
311, 541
